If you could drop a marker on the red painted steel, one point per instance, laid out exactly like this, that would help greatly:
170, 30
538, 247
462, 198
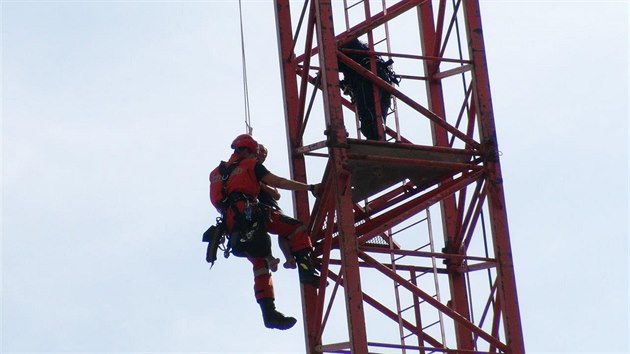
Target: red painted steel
431, 38
366, 246
340, 177
498, 218
294, 130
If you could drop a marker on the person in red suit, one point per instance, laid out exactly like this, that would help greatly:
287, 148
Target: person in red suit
234, 189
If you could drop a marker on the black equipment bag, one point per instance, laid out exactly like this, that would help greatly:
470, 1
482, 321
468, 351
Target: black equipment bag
215, 236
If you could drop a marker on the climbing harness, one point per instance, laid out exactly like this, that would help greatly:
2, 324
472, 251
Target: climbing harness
249, 235
216, 235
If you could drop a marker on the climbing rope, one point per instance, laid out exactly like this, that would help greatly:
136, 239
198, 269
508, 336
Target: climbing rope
248, 123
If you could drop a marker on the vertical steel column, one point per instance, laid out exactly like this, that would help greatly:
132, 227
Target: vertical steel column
341, 187
430, 42
288, 68
496, 199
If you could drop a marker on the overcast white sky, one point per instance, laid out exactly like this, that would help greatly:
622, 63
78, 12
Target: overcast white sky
114, 112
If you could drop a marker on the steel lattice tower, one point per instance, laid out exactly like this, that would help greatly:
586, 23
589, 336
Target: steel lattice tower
411, 230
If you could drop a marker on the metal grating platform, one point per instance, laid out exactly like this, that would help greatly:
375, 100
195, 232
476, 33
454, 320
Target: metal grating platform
377, 166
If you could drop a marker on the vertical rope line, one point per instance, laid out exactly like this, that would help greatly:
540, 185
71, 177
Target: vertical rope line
248, 124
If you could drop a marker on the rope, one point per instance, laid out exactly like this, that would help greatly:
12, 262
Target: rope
248, 123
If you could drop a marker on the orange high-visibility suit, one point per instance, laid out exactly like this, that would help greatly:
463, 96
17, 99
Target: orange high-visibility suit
245, 181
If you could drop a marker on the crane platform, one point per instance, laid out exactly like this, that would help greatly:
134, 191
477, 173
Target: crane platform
377, 166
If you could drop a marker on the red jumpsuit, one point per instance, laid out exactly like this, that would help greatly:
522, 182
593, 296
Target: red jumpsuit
245, 179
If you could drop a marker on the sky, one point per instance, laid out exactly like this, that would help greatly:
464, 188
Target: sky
114, 112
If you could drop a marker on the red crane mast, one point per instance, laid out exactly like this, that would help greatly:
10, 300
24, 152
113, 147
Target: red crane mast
397, 282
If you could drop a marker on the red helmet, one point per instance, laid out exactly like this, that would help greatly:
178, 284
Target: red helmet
245, 141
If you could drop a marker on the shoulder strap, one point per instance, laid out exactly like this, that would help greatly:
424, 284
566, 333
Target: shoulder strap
227, 171
225, 175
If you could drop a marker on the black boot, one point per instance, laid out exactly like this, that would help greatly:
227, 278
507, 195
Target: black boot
273, 318
306, 270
